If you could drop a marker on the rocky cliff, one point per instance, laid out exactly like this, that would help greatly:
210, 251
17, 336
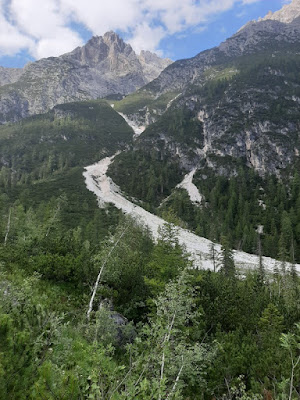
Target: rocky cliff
287, 14
238, 101
9, 75
254, 38
104, 66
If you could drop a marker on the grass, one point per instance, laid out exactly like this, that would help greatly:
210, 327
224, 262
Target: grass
133, 102
216, 74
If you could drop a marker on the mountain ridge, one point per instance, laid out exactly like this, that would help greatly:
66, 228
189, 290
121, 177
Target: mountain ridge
104, 66
286, 14
233, 90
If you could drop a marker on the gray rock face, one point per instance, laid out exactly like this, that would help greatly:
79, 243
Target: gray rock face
105, 65
258, 125
152, 65
255, 37
287, 14
9, 75
252, 115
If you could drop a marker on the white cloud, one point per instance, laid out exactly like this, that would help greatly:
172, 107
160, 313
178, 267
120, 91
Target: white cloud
49, 45
102, 15
146, 34
44, 23
43, 27
11, 39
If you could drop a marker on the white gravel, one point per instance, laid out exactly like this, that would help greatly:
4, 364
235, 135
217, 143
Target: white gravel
187, 184
199, 248
138, 129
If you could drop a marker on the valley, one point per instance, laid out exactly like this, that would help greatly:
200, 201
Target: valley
150, 208
199, 248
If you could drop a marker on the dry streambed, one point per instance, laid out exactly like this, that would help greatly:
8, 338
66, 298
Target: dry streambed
107, 191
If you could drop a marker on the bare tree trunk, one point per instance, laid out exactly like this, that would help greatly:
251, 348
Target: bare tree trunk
7, 227
162, 370
100, 273
294, 365
53, 219
166, 340
176, 380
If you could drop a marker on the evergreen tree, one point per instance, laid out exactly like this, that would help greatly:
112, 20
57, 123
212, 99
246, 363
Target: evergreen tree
227, 261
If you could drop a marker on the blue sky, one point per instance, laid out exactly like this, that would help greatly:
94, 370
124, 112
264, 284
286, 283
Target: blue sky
33, 29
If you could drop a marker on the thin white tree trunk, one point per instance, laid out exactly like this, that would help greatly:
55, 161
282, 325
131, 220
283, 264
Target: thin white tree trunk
53, 219
162, 370
7, 227
176, 380
100, 273
294, 365
291, 384
166, 340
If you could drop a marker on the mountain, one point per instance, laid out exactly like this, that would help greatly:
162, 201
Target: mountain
9, 75
229, 114
287, 14
242, 98
104, 66
256, 37
91, 306
229, 117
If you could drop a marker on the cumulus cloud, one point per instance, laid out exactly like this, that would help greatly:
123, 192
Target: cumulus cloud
143, 33
45, 25
46, 28
11, 39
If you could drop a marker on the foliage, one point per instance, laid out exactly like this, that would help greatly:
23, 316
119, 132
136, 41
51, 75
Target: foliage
236, 206
183, 335
145, 176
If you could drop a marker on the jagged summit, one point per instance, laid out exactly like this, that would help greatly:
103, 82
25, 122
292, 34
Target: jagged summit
287, 14
112, 46
108, 47
105, 65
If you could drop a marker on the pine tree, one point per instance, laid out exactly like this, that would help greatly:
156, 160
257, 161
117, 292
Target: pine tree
227, 262
213, 255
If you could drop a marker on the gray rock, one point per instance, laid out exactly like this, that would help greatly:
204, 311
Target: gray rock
253, 38
240, 121
104, 66
9, 75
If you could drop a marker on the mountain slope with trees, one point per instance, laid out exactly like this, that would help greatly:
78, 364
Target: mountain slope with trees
91, 307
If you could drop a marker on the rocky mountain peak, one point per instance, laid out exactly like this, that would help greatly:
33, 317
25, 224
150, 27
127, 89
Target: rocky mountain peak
286, 14
149, 57
105, 65
112, 37
116, 43
152, 64
99, 48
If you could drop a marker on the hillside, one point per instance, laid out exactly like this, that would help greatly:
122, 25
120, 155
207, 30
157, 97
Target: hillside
237, 123
42, 160
150, 244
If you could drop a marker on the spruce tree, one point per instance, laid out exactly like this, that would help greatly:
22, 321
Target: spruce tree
227, 262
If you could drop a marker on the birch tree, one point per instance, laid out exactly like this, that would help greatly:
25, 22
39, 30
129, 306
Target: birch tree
291, 342
165, 361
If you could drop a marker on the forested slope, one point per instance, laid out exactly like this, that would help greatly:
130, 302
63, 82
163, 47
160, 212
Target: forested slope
156, 327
